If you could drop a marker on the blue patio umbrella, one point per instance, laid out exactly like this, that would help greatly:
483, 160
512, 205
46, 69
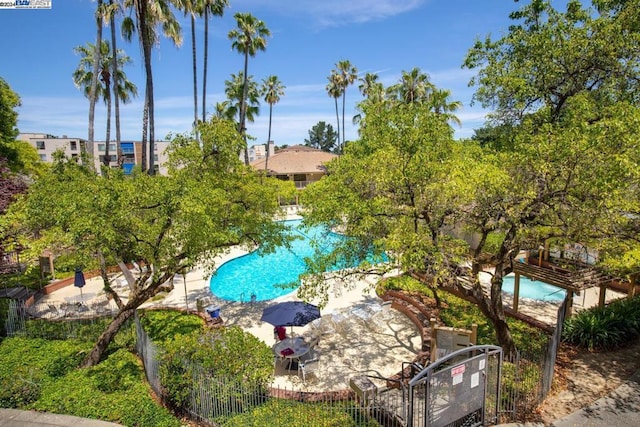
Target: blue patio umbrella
290, 313
78, 280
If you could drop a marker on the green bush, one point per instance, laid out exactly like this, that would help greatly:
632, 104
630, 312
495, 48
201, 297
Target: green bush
163, 325
114, 390
228, 354
604, 328
28, 364
288, 413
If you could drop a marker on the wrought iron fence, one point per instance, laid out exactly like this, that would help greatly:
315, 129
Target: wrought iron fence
218, 401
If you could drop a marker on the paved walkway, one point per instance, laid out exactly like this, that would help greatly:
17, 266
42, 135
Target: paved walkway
620, 408
15, 418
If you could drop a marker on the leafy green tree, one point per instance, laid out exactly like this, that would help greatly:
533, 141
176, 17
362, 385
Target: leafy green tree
529, 70
83, 79
148, 15
323, 137
9, 101
249, 38
207, 203
272, 89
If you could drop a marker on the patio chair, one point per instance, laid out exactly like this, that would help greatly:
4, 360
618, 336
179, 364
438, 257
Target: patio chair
308, 365
377, 321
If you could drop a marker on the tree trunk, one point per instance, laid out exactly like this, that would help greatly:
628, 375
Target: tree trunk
107, 153
243, 108
114, 73
94, 356
94, 80
344, 99
205, 63
152, 139
195, 76
338, 122
266, 161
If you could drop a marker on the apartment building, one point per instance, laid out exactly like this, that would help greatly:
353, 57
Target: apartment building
129, 154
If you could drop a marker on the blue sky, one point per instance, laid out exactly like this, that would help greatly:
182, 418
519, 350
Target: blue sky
308, 38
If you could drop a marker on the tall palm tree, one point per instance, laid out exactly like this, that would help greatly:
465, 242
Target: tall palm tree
113, 9
247, 39
234, 89
349, 74
334, 90
83, 78
148, 15
215, 8
96, 64
193, 8
371, 88
414, 86
272, 89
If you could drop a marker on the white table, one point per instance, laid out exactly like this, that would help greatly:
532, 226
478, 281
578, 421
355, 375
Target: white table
298, 346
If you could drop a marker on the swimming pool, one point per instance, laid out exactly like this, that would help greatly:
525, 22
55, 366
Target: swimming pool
260, 275
533, 289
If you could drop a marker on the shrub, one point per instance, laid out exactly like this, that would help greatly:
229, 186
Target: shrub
288, 413
604, 328
229, 356
28, 364
113, 391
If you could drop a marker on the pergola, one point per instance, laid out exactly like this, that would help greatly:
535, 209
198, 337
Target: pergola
571, 275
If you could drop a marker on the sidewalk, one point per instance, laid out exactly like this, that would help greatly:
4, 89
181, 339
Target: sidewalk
620, 408
16, 418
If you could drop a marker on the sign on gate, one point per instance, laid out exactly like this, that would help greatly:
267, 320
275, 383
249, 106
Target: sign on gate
457, 389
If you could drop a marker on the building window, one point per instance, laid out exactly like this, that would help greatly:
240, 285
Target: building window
101, 147
43, 157
40, 145
126, 147
73, 145
155, 157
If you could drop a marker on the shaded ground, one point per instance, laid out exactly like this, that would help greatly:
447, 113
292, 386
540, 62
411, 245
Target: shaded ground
582, 377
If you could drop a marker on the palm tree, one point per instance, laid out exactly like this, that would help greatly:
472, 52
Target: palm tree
371, 88
148, 15
440, 104
334, 90
349, 74
83, 78
224, 110
234, 90
215, 8
94, 81
112, 10
247, 39
273, 89
414, 86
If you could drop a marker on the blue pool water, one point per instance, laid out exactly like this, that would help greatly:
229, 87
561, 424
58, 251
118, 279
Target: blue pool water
260, 275
533, 289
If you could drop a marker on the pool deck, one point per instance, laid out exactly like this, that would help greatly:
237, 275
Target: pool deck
356, 349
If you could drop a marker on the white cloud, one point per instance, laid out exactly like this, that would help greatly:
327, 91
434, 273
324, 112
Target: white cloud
332, 13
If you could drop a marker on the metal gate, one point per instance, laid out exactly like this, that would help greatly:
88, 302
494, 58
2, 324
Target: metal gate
461, 389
